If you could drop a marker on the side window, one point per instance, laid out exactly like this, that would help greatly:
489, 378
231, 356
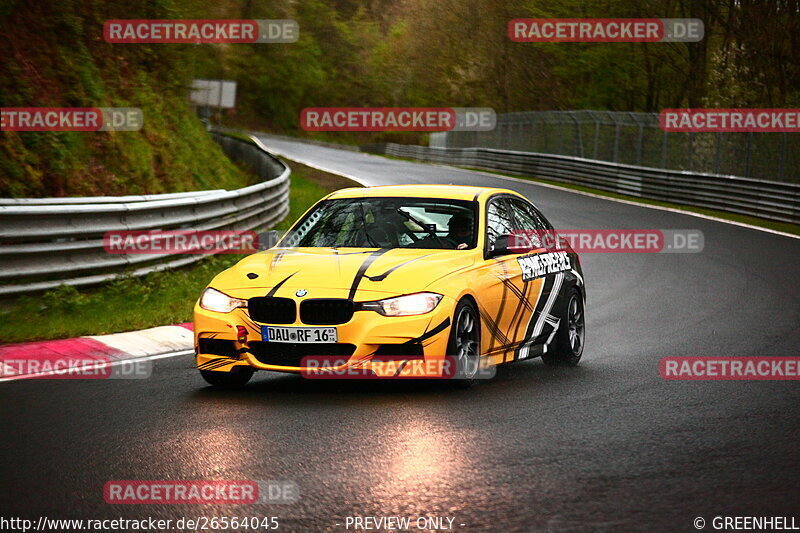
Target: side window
531, 223
539, 216
524, 217
498, 220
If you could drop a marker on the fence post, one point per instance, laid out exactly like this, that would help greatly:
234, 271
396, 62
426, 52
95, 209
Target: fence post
577, 143
639, 147
748, 148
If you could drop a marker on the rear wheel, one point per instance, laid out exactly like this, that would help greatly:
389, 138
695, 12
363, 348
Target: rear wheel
237, 377
567, 347
464, 344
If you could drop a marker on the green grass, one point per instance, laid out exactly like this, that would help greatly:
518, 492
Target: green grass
135, 303
785, 227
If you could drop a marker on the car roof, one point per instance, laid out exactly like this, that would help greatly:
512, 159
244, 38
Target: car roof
455, 192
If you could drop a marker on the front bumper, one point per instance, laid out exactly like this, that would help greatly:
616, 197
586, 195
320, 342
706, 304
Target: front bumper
384, 346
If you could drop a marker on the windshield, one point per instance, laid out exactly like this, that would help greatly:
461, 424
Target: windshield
387, 223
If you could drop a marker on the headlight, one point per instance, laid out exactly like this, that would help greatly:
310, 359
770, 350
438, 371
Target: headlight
411, 304
214, 300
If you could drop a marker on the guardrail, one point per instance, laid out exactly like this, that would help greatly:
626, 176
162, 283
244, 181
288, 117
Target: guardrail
45, 243
104, 199
746, 196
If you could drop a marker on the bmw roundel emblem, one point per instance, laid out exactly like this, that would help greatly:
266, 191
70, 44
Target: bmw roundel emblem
301, 293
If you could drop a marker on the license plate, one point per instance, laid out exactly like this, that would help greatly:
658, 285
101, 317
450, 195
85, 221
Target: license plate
300, 335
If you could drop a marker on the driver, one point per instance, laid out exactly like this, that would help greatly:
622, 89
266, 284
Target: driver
459, 231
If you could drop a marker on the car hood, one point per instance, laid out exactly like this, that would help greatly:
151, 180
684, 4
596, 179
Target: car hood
349, 270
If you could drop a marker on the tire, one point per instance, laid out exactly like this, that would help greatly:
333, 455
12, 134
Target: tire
464, 344
236, 378
567, 347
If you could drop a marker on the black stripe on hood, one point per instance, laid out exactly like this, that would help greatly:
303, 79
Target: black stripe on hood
274, 289
362, 270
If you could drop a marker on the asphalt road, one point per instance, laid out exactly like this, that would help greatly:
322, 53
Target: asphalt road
606, 446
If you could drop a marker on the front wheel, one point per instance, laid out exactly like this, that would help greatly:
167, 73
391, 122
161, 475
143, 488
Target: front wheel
236, 378
567, 347
465, 344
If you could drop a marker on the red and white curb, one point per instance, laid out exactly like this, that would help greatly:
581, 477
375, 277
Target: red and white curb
98, 350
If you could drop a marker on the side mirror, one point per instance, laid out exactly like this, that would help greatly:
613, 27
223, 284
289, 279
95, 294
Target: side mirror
510, 244
500, 246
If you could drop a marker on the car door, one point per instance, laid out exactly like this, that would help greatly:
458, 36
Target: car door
542, 276
500, 286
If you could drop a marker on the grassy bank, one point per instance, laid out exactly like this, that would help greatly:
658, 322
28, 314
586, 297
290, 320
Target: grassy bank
56, 57
135, 303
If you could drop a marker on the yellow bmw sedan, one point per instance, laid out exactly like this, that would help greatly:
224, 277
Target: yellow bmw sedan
384, 281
